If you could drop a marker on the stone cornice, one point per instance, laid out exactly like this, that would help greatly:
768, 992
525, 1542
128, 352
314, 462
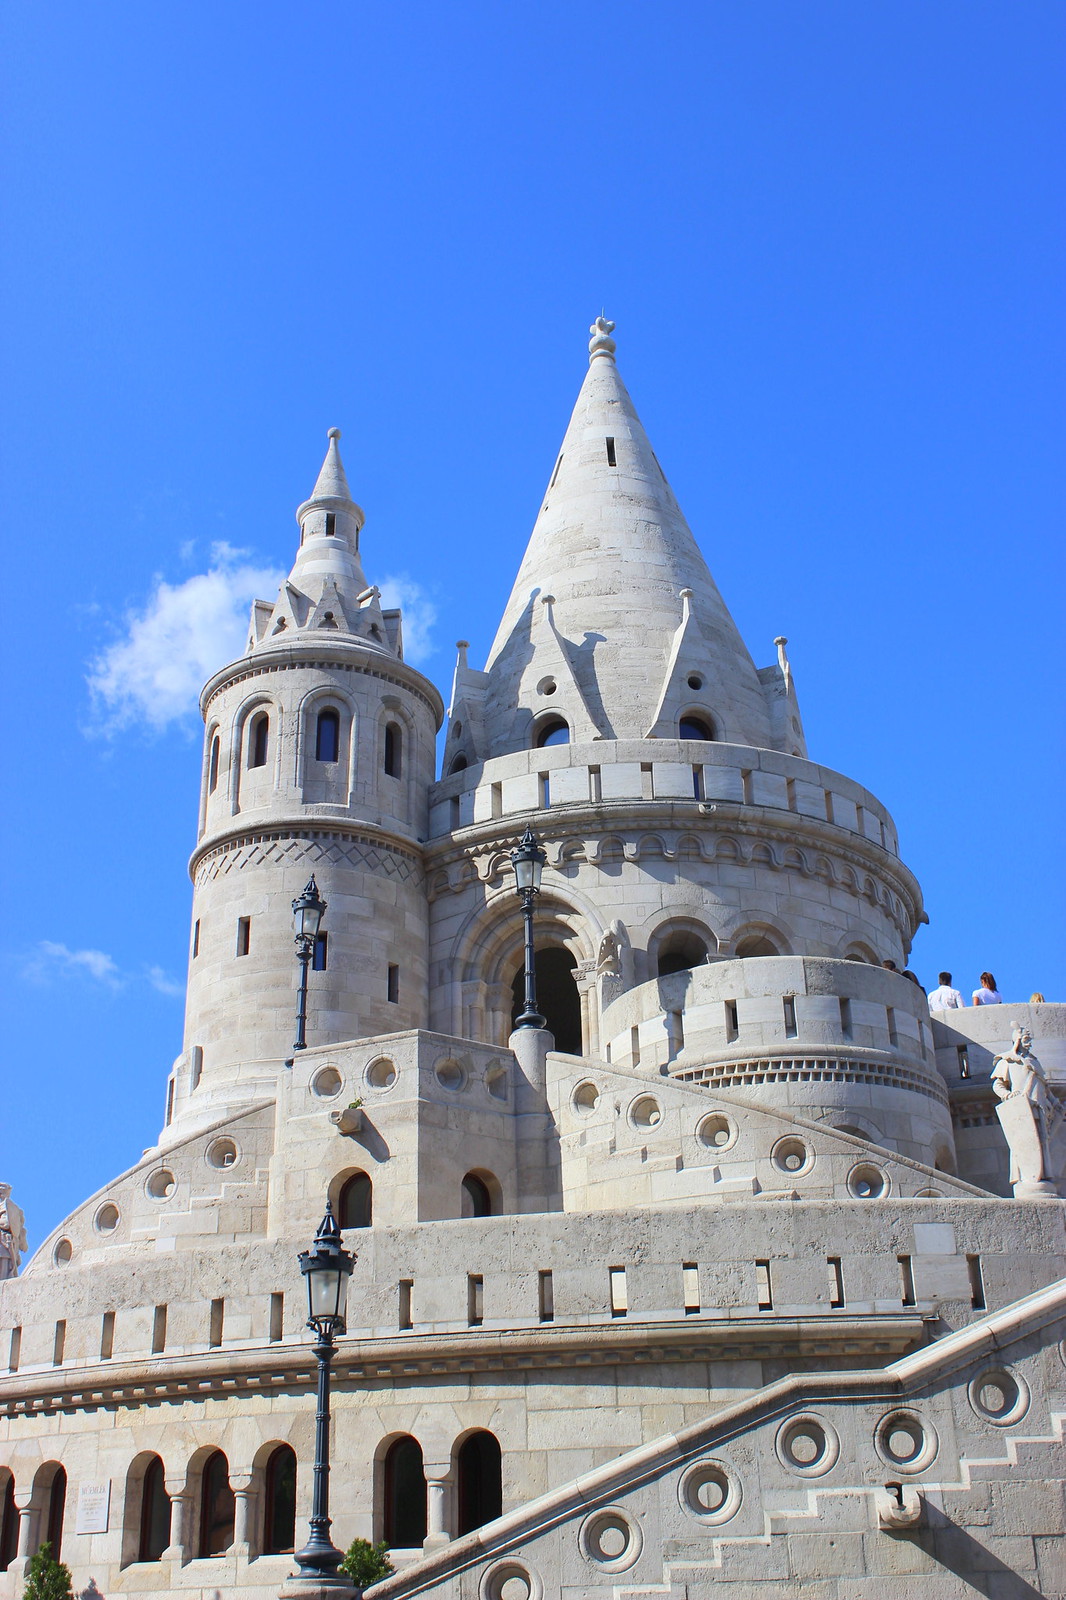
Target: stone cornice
332, 655
562, 827
152, 1380
319, 830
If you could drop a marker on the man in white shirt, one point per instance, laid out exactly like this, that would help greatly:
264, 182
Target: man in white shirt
945, 998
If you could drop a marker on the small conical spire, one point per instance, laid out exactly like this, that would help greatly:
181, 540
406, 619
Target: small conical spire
331, 487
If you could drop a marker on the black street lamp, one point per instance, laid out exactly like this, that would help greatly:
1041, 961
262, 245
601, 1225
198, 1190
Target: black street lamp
528, 860
326, 1268
307, 912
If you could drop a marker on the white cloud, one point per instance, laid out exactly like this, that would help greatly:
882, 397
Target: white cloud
419, 614
164, 985
155, 672
58, 958
52, 961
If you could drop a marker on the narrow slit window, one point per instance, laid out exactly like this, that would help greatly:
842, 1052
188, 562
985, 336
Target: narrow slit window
789, 1005
159, 1330
829, 806
455, 811
406, 1289
555, 474
14, 1350
764, 1294
860, 820
320, 954
647, 781
497, 799
619, 1292
392, 984
259, 741
836, 1282
475, 1300
595, 785
675, 1032
212, 765
790, 790
893, 1036
921, 1036
732, 1022
244, 935
845, 1017
277, 1316
634, 1044
170, 1103
107, 1336
196, 1065
327, 736
392, 754
690, 1283
906, 1281
977, 1283
747, 787
697, 783
217, 1323
964, 1061
611, 458
545, 1297
59, 1344
545, 791
196, 938
331, 524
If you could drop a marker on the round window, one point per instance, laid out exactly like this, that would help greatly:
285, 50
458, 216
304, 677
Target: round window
710, 1492
222, 1153
792, 1156
585, 1099
807, 1445
62, 1252
646, 1112
611, 1540
999, 1396
161, 1184
905, 1442
496, 1082
106, 1219
716, 1131
380, 1074
450, 1075
867, 1182
326, 1083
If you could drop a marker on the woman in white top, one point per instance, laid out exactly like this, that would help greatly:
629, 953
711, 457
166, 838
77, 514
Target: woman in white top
987, 994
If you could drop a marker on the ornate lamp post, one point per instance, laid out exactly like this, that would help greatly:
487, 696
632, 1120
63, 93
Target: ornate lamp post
326, 1267
528, 860
307, 911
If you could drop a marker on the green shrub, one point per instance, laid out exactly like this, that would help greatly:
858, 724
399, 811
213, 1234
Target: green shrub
46, 1578
367, 1563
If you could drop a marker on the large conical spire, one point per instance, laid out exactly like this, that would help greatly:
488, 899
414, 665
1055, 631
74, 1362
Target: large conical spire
614, 622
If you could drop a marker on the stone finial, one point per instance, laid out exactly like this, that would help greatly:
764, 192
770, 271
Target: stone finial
601, 343
334, 433
782, 658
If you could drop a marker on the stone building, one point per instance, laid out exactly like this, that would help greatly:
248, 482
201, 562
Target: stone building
723, 1280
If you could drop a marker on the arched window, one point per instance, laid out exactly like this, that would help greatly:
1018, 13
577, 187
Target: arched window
458, 765
279, 1519
327, 736
404, 1520
57, 1505
212, 765
756, 944
557, 996
479, 1475
9, 1526
155, 1513
216, 1506
392, 759
476, 1198
553, 731
258, 739
694, 727
679, 951
355, 1203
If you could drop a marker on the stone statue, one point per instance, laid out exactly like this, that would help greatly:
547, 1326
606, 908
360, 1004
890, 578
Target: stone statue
1030, 1115
12, 1234
609, 955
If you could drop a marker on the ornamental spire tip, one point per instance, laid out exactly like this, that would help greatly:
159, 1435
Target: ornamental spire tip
601, 343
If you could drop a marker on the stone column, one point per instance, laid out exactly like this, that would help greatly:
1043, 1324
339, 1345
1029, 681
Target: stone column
243, 1507
587, 988
180, 1521
438, 1479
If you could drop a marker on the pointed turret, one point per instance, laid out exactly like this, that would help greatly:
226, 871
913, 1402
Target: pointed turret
327, 587
617, 653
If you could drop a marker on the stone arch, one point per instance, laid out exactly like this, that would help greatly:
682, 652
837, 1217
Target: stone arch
394, 789
145, 1509
274, 1470
478, 1472
400, 1501
858, 950
480, 1194
241, 784
50, 1502
322, 697
675, 936
760, 938
9, 1519
351, 1194
699, 716
216, 1505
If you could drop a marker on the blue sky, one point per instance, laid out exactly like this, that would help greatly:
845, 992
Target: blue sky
831, 236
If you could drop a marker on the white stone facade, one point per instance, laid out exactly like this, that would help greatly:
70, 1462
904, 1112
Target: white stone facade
658, 1312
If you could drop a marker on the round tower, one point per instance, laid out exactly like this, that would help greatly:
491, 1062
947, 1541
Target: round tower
318, 755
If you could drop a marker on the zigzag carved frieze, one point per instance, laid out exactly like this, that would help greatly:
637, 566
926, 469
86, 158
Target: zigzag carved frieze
333, 849
492, 865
